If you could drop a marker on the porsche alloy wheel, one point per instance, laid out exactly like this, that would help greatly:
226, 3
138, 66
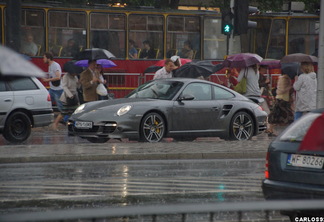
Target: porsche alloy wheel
152, 128
242, 126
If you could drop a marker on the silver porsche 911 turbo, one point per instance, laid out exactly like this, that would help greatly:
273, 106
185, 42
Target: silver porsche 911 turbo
181, 108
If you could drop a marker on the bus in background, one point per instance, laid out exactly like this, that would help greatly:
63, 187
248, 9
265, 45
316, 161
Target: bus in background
66, 30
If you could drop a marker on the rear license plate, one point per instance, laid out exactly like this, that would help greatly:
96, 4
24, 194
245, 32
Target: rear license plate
83, 125
305, 161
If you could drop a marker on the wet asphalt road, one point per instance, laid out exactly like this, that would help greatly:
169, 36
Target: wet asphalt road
54, 171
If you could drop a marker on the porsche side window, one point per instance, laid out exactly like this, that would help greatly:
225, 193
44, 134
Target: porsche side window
220, 93
198, 90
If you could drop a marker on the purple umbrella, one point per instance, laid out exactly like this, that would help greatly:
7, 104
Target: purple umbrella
242, 60
271, 63
105, 63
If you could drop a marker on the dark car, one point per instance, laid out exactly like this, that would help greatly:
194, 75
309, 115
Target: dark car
295, 160
180, 108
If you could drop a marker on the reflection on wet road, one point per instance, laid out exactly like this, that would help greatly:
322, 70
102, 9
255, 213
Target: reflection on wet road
104, 183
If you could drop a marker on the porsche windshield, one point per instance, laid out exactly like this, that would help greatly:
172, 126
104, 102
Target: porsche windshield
165, 90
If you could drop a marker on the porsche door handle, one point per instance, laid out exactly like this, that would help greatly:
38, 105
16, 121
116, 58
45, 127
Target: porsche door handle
214, 108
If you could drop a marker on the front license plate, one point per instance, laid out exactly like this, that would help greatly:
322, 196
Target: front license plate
305, 161
83, 125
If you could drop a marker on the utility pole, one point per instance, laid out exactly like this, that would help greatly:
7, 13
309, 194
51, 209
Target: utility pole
320, 70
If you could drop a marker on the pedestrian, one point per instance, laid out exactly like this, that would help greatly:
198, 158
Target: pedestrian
305, 85
231, 77
166, 71
90, 79
176, 60
69, 97
54, 80
265, 87
251, 74
281, 113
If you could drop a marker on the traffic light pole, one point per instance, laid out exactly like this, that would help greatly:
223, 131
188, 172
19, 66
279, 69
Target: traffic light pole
230, 38
320, 70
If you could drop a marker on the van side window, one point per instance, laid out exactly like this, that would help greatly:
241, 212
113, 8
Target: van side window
22, 83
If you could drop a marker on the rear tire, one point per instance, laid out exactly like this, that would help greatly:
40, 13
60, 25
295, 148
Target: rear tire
241, 127
17, 128
97, 140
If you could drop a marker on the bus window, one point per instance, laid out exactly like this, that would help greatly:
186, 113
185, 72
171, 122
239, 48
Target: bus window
214, 41
107, 31
303, 40
67, 33
147, 33
32, 32
277, 43
183, 37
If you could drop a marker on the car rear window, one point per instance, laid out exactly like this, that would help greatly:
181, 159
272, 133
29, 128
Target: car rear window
21, 83
298, 130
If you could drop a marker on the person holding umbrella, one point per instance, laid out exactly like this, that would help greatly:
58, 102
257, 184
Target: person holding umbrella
251, 73
70, 85
281, 112
90, 78
305, 85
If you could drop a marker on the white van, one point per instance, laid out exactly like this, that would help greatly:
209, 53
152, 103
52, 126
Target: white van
24, 103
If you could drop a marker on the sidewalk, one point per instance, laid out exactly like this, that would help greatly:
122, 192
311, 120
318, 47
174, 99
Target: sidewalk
58, 147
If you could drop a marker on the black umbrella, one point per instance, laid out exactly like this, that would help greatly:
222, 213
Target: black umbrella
291, 69
94, 54
196, 69
71, 68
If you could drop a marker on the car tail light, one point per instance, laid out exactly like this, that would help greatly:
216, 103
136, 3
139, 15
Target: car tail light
314, 140
266, 172
49, 98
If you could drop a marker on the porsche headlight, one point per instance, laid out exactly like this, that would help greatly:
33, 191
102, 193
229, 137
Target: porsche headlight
123, 110
79, 109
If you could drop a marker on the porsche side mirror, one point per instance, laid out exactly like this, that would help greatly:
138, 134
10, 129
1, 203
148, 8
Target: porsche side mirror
186, 97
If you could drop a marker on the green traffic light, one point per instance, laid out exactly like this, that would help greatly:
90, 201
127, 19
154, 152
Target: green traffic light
227, 28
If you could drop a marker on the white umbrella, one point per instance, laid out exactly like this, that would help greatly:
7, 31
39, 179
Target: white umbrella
14, 64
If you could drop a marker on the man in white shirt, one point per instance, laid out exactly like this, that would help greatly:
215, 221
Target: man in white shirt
54, 80
166, 71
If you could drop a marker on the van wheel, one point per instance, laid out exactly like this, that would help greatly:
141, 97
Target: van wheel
17, 128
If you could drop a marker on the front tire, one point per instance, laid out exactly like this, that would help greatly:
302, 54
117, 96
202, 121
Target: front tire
242, 126
97, 140
152, 128
17, 128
